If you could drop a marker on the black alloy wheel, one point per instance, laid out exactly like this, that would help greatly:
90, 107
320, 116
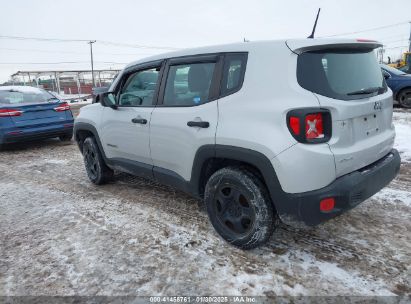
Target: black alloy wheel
233, 209
239, 207
97, 170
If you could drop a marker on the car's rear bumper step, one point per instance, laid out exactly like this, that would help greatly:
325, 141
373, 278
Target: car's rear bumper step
303, 209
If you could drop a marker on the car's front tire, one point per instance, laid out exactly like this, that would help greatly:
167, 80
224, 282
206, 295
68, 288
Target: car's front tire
239, 207
97, 170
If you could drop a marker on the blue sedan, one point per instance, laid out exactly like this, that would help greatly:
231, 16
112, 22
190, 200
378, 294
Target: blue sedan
400, 84
28, 113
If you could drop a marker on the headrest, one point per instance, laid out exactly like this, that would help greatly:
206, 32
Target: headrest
197, 79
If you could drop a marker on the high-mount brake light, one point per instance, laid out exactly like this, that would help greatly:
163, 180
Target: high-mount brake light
62, 107
310, 125
365, 40
10, 112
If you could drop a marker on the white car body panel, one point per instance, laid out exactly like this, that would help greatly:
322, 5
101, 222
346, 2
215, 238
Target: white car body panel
174, 144
255, 118
303, 168
90, 114
361, 134
121, 138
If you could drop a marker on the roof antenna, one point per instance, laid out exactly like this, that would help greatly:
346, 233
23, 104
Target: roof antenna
315, 25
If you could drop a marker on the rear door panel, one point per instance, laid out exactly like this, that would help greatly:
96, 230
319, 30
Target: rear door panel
173, 143
174, 140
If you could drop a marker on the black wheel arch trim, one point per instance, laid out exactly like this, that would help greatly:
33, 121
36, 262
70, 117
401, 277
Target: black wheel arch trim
298, 210
302, 209
204, 153
286, 205
82, 126
248, 156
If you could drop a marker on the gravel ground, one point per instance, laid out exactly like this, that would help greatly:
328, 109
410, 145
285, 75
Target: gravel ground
61, 235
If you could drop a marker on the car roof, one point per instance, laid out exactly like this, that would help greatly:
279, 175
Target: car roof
292, 44
232, 47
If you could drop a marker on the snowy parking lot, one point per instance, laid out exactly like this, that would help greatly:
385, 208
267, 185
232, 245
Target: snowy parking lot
62, 235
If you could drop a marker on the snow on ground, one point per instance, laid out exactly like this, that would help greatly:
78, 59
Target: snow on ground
395, 196
61, 235
81, 101
77, 99
72, 96
402, 122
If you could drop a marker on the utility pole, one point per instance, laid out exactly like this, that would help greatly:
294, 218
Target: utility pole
409, 39
381, 52
92, 63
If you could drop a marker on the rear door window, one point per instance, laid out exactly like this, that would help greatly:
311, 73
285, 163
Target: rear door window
188, 84
341, 74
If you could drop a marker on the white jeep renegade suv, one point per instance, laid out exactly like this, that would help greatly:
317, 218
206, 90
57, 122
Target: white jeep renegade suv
297, 130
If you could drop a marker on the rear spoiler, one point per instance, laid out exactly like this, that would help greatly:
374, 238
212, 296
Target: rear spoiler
299, 46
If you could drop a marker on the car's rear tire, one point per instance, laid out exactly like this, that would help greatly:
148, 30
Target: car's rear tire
240, 208
66, 137
96, 168
404, 98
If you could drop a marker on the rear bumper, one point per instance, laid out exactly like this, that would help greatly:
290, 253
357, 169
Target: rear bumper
303, 209
43, 133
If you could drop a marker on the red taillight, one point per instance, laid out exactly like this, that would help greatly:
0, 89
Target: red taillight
10, 112
327, 204
295, 125
310, 125
314, 126
15, 132
62, 107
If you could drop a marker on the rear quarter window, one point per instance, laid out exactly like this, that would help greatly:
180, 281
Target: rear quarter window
233, 73
339, 73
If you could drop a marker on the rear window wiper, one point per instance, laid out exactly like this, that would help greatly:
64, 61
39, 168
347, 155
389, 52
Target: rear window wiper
366, 91
52, 98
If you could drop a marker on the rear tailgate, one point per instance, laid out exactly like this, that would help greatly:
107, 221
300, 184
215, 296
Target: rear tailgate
362, 132
340, 73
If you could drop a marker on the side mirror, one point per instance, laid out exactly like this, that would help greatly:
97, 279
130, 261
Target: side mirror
386, 74
107, 99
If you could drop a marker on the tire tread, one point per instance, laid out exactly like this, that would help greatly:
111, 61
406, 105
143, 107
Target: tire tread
106, 173
270, 219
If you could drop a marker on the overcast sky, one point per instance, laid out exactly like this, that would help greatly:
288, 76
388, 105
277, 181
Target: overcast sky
178, 24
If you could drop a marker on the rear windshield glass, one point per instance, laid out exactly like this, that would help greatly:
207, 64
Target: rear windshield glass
16, 96
341, 74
